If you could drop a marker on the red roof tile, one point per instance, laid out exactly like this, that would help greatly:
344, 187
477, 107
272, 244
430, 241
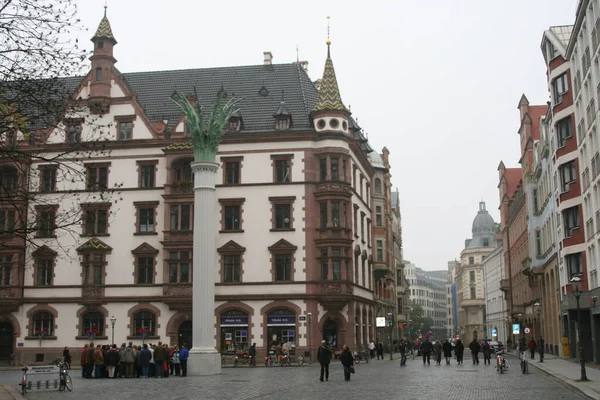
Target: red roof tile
513, 177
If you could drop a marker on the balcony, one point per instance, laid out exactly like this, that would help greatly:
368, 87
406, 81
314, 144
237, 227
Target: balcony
181, 188
179, 236
504, 285
335, 295
178, 296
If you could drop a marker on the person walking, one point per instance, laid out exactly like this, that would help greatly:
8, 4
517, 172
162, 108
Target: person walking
183, 358
380, 350
372, 349
324, 358
83, 360
437, 352
426, 348
540, 347
487, 352
447, 348
403, 350
459, 350
347, 362
532, 346
475, 348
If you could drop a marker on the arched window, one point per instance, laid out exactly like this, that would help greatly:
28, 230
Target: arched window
93, 324
43, 324
377, 186
144, 321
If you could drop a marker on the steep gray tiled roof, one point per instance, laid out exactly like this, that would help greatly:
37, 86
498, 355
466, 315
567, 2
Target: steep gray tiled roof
154, 90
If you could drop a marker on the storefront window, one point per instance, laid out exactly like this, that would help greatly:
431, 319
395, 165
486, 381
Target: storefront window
281, 328
234, 331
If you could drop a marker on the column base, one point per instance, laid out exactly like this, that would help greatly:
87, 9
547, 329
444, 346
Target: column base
202, 362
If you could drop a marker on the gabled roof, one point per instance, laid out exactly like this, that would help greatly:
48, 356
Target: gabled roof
513, 177
536, 113
94, 244
154, 89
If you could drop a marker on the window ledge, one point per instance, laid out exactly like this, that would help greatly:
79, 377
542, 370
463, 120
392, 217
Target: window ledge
238, 231
38, 236
232, 283
129, 337
42, 338
283, 230
91, 338
145, 233
95, 235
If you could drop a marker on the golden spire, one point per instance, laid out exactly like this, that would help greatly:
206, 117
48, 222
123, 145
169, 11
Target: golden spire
328, 41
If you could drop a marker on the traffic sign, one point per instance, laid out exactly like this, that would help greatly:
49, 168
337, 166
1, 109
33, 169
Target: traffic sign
527, 330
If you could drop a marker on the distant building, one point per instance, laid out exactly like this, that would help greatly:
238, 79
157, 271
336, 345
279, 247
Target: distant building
469, 276
428, 289
495, 302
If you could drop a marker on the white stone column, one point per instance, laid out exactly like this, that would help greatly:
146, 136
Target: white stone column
204, 358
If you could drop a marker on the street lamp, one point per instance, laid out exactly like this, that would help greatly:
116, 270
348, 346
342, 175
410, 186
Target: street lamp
537, 307
391, 324
575, 281
113, 320
309, 316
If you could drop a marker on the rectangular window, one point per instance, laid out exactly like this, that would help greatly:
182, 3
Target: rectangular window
335, 213
283, 216
379, 245
535, 201
378, 216
145, 270
563, 131
97, 177
93, 273
7, 221
231, 269
146, 220
324, 265
574, 264
571, 218
538, 243
559, 88
46, 222
96, 222
337, 270
45, 272
471, 260
125, 130
147, 175
232, 218
73, 132
232, 173
323, 215
472, 276
335, 169
179, 267
323, 169
568, 174
181, 217
283, 171
473, 293
6, 264
48, 180
283, 267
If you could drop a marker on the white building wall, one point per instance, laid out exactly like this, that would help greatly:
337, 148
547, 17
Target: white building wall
496, 307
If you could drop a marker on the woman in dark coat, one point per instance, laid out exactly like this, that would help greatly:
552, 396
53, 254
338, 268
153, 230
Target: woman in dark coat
459, 349
437, 352
347, 361
447, 347
144, 360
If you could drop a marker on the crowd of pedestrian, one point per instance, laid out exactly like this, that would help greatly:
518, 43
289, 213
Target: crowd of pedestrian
131, 361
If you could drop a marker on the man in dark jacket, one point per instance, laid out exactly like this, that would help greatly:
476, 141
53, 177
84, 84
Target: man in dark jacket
89, 361
475, 348
379, 350
426, 348
324, 357
403, 350
347, 361
112, 359
144, 360
487, 352
447, 348
540, 347
159, 359
459, 349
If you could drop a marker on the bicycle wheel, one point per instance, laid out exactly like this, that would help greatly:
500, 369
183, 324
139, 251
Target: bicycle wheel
68, 383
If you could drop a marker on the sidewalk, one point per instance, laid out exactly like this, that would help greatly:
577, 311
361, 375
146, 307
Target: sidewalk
8, 392
569, 372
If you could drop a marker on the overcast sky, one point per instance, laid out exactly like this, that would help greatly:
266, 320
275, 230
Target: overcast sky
435, 81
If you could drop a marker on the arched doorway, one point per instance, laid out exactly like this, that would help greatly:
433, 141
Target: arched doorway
6, 340
330, 333
184, 334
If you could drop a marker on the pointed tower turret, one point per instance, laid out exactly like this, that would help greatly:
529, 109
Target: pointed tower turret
330, 114
103, 63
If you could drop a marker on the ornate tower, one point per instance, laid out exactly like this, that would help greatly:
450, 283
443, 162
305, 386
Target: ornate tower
102, 67
330, 114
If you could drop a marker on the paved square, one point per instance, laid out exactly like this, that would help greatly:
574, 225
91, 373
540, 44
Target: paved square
380, 380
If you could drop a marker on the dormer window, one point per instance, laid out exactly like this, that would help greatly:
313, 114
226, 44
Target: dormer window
98, 74
282, 124
234, 124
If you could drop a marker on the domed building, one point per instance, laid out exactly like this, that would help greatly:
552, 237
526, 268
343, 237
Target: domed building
469, 276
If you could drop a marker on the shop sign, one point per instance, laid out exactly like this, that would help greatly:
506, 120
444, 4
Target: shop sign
281, 320
234, 321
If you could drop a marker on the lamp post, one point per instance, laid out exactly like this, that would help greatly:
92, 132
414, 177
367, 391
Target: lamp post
537, 308
113, 320
391, 325
309, 316
575, 281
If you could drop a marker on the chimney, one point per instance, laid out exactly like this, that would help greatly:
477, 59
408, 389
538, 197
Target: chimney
268, 57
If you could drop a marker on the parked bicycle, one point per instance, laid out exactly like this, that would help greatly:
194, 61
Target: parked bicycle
501, 362
65, 381
244, 359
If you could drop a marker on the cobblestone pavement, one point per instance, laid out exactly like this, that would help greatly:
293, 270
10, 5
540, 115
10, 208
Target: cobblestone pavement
383, 379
